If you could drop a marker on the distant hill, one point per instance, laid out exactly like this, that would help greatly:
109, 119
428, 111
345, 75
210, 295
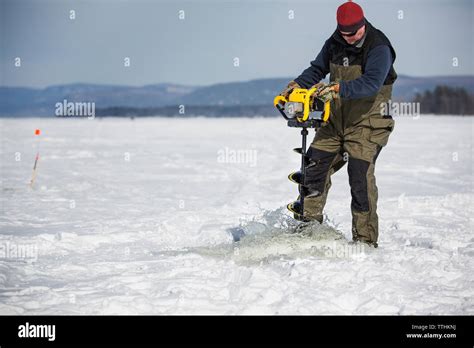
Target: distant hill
41, 102
258, 92
406, 87
18, 101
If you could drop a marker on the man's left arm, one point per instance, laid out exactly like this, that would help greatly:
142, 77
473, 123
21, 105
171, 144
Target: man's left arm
379, 61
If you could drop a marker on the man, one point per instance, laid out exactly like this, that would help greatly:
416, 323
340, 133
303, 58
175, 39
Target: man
359, 59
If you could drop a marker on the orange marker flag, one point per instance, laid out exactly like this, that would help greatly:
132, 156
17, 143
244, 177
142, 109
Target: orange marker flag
33, 177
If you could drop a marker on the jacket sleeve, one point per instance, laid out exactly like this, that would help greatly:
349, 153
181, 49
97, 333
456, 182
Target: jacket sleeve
379, 61
317, 70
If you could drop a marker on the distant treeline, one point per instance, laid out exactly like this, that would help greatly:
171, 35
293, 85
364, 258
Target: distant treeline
446, 100
443, 100
192, 111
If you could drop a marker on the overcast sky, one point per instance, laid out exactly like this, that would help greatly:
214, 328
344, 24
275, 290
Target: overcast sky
201, 49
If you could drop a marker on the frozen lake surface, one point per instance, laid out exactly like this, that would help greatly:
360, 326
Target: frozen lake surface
141, 217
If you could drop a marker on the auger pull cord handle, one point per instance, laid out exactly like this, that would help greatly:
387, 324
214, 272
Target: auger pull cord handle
327, 111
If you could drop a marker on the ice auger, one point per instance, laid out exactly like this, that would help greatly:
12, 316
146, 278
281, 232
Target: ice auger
299, 105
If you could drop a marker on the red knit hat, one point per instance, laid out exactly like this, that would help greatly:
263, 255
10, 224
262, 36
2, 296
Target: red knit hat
350, 17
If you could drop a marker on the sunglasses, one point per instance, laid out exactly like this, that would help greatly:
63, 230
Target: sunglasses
350, 34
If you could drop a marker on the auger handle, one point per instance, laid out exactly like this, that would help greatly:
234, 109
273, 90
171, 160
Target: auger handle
327, 111
276, 102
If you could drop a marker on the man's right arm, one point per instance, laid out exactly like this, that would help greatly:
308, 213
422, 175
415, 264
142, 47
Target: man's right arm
317, 70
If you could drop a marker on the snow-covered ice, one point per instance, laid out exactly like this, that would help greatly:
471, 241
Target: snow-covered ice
186, 216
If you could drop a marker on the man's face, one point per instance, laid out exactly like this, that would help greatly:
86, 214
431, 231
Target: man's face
351, 38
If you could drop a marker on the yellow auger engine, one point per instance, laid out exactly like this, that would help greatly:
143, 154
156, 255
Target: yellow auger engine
299, 105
